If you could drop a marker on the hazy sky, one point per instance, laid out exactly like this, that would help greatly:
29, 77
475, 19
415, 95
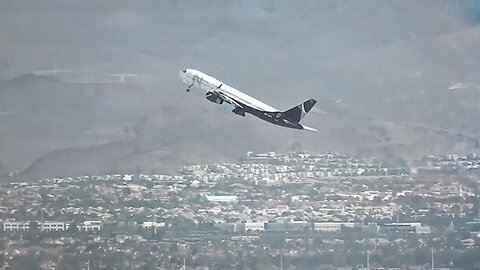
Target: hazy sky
379, 69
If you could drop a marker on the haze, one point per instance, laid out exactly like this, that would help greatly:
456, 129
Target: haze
379, 69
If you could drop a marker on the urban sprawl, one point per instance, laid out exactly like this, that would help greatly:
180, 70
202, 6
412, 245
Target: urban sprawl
267, 211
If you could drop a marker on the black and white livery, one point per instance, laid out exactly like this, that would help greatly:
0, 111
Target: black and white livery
219, 92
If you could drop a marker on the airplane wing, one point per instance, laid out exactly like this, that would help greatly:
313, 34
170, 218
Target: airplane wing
230, 100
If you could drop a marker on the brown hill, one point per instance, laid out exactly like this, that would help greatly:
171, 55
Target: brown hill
380, 72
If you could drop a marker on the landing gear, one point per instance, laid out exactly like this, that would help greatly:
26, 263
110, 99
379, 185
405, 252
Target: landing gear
238, 111
188, 88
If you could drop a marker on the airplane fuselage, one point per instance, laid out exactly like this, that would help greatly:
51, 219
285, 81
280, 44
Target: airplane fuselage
219, 92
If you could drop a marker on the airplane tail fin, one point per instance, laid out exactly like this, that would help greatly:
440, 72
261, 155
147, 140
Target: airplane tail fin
297, 113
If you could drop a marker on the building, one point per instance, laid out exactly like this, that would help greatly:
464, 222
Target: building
333, 226
53, 226
294, 226
150, 224
245, 238
223, 198
404, 228
12, 226
254, 226
229, 227
90, 225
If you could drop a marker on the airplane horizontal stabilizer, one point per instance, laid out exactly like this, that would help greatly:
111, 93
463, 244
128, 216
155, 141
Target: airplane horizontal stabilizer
309, 128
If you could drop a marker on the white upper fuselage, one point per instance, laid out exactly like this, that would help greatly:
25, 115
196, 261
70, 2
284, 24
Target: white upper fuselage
201, 80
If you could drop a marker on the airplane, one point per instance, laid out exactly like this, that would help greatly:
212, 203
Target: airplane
219, 92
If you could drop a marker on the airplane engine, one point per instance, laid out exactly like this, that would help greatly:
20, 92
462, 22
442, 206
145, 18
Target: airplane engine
214, 97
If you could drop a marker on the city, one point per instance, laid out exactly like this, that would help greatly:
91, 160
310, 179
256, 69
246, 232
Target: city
266, 211
241, 135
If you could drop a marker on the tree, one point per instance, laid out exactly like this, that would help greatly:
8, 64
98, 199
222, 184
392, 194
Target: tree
183, 224
149, 184
33, 234
73, 228
468, 259
126, 191
2, 259
26, 262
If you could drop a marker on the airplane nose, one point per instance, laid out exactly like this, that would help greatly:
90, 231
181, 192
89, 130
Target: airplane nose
182, 73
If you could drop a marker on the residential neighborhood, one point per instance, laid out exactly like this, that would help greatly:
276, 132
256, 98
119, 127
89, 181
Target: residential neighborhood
266, 211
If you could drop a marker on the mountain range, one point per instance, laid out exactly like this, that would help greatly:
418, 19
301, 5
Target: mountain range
93, 87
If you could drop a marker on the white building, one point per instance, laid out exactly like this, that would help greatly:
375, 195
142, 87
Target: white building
151, 224
255, 227
332, 226
222, 198
90, 225
245, 238
45, 226
410, 227
12, 226
53, 226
